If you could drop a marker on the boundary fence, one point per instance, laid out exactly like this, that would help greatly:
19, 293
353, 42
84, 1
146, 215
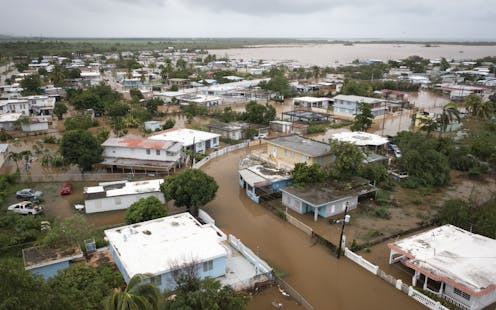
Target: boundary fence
220, 152
300, 225
294, 293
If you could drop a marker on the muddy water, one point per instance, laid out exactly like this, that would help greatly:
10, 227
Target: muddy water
334, 54
323, 280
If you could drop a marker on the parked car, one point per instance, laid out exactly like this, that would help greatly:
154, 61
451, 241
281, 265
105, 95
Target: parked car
26, 207
396, 150
66, 189
260, 136
28, 193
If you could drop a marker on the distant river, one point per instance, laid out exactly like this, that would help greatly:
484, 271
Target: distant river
334, 54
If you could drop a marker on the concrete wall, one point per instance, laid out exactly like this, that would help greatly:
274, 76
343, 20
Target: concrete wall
118, 202
118, 263
338, 206
233, 135
35, 126
50, 270
475, 302
121, 152
292, 203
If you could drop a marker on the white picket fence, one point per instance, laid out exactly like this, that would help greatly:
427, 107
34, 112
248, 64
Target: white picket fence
220, 152
361, 261
259, 264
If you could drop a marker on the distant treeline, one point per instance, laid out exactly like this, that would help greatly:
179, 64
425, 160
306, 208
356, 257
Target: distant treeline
35, 47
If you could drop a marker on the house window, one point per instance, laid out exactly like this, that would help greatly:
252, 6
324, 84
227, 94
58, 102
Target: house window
304, 158
461, 293
156, 280
148, 151
158, 152
207, 266
117, 201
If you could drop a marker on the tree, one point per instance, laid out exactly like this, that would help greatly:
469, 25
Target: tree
450, 113
304, 174
153, 104
21, 289
472, 104
258, 113
357, 88
31, 85
136, 94
486, 110
444, 64
192, 293
81, 148
375, 172
15, 157
79, 122
138, 294
278, 83
363, 120
169, 123
59, 110
83, 285
428, 125
191, 189
72, 231
145, 209
348, 160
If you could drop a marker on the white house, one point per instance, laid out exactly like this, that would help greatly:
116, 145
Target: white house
8, 121
120, 195
21, 106
152, 125
167, 246
137, 153
191, 139
312, 102
233, 131
349, 104
4, 150
205, 100
38, 123
452, 263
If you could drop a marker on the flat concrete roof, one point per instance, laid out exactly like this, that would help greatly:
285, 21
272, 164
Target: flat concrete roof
125, 188
357, 99
321, 194
183, 135
302, 145
164, 244
311, 99
452, 255
360, 138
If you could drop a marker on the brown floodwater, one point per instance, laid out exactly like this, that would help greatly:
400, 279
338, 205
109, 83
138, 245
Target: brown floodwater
327, 283
336, 54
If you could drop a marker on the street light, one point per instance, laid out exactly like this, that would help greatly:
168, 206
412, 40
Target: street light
345, 219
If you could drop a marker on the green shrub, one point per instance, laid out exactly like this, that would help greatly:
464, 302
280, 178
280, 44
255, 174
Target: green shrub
382, 212
51, 140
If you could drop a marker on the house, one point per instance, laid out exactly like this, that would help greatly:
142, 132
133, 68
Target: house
233, 131
451, 263
120, 195
169, 96
195, 140
169, 246
153, 125
136, 153
285, 152
9, 121
350, 104
312, 102
326, 200
21, 106
181, 83
204, 100
260, 180
38, 123
4, 151
281, 126
48, 262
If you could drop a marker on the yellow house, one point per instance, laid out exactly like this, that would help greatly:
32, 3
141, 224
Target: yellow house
296, 149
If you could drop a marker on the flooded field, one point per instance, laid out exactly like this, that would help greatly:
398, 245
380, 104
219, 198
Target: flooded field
327, 283
336, 54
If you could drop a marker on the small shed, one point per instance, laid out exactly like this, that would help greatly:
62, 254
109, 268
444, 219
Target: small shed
48, 262
153, 125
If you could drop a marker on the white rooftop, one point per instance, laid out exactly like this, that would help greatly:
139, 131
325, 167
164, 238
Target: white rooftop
183, 135
127, 188
453, 254
311, 99
360, 138
354, 98
9, 117
165, 244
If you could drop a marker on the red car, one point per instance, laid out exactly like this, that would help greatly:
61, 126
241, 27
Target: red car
66, 189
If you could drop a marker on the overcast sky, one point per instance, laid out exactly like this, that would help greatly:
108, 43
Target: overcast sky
398, 19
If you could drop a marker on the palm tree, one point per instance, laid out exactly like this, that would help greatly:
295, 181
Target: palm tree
428, 125
15, 157
472, 104
449, 114
485, 110
139, 294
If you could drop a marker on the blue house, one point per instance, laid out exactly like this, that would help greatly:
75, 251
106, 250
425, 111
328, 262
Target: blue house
326, 200
260, 181
48, 262
168, 246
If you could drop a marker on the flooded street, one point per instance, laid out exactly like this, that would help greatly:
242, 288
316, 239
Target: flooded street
336, 54
327, 283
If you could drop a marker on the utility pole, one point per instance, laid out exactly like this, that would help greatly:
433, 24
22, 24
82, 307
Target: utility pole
347, 203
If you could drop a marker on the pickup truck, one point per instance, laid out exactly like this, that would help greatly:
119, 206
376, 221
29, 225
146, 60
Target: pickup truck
26, 207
